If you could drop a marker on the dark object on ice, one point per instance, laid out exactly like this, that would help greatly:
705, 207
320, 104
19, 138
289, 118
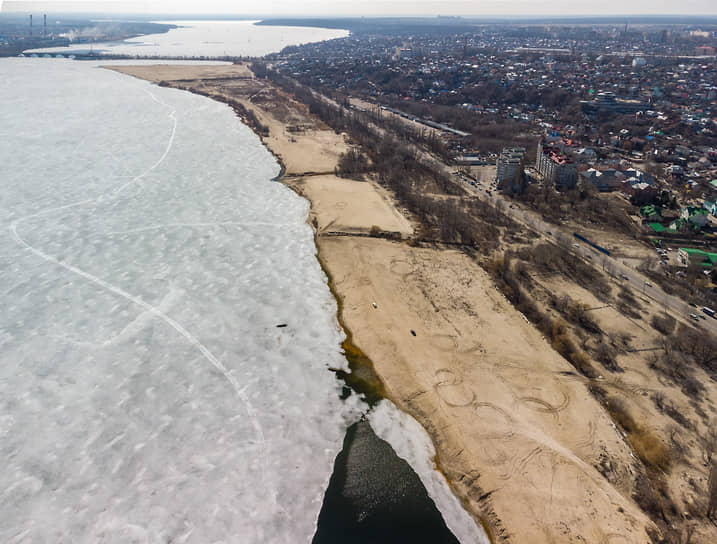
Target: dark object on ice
413, 332
281, 326
375, 497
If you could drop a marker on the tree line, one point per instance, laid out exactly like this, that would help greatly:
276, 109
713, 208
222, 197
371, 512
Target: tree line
445, 212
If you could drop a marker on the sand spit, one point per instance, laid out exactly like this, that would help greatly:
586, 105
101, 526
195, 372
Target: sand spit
517, 433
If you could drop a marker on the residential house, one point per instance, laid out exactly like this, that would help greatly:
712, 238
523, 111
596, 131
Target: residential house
693, 214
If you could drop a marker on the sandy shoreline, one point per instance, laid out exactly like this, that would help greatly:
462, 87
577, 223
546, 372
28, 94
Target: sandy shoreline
516, 431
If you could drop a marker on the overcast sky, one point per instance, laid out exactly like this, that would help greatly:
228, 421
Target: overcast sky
376, 7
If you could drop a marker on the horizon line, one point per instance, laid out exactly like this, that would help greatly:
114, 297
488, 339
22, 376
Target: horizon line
265, 16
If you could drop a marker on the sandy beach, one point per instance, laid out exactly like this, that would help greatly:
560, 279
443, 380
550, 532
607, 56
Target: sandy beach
518, 435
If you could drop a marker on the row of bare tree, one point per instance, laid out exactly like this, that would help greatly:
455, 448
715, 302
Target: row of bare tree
440, 204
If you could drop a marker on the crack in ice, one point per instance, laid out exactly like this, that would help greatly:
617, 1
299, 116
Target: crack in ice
198, 225
178, 327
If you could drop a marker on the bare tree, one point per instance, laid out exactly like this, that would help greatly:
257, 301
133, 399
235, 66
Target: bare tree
711, 450
712, 488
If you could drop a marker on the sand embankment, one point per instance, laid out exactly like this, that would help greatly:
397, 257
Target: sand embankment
517, 433
516, 430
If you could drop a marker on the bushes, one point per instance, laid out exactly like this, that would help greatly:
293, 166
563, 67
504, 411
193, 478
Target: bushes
556, 331
697, 346
651, 495
663, 323
650, 449
580, 202
547, 257
575, 313
627, 304
606, 354
561, 342
678, 368
683, 350
351, 163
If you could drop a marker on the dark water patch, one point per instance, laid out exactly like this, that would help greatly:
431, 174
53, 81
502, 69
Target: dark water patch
375, 497
362, 377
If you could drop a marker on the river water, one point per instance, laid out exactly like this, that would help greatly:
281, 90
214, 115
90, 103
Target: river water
167, 332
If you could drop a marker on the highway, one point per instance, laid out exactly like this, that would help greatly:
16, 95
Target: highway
615, 268
620, 272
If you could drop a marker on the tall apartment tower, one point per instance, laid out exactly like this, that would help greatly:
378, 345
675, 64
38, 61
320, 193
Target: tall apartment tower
509, 170
556, 167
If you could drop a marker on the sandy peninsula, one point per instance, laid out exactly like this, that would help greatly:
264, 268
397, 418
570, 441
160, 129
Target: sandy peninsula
517, 433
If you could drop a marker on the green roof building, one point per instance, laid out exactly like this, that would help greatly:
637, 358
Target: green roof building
649, 211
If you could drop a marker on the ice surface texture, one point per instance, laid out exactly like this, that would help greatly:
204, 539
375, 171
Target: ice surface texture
146, 394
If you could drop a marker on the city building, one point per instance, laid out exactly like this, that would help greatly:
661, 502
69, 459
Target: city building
605, 180
585, 155
607, 102
556, 167
509, 169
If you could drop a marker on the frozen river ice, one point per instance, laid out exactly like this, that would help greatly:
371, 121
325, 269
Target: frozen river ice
146, 392
193, 39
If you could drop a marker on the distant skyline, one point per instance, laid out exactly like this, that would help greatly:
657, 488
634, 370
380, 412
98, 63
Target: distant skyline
373, 7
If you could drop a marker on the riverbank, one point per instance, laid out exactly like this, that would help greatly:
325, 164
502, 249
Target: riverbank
516, 431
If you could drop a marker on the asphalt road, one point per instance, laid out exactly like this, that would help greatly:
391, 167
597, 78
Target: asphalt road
619, 271
615, 268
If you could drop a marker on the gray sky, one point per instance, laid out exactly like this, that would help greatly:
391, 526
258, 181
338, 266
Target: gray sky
376, 7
